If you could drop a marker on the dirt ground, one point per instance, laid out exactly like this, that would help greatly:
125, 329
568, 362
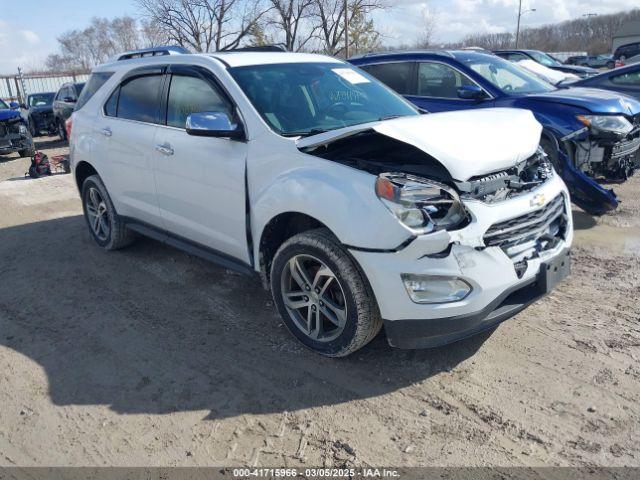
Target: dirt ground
150, 357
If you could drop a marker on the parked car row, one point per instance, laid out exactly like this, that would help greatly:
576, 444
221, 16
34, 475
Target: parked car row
593, 61
546, 60
14, 132
46, 113
589, 134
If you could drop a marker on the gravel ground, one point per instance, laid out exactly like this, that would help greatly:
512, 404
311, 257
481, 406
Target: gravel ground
148, 356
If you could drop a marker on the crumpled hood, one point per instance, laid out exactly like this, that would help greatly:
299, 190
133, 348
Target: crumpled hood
468, 143
592, 99
8, 114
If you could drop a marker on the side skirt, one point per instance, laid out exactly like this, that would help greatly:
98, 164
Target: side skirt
189, 247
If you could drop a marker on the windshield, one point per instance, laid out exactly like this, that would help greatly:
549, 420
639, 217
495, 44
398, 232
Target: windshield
3, 105
544, 59
310, 98
506, 76
40, 99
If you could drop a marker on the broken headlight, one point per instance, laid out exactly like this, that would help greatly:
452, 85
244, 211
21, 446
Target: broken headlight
420, 204
22, 129
607, 123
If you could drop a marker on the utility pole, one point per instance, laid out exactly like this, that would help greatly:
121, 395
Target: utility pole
520, 13
346, 29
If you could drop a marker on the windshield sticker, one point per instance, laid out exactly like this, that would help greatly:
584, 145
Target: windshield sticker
351, 76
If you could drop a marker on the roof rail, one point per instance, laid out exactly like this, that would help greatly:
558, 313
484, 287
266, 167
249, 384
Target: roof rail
153, 52
442, 52
258, 48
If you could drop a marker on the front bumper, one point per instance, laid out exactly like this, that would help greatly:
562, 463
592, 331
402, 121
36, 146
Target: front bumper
14, 143
499, 291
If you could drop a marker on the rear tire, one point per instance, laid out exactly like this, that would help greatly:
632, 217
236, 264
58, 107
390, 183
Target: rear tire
106, 227
62, 131
27, 153
336, 314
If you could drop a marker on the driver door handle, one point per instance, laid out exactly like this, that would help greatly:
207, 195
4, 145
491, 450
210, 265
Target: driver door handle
165, 149
106, 132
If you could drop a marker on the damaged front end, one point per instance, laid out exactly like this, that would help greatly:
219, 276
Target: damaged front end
509, 183
607, 148
14, 136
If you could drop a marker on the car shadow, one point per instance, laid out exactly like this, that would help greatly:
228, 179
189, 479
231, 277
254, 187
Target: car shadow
8, 157
583, 221
150, 329
45, 143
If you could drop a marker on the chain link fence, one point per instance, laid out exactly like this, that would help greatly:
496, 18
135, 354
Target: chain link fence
17, 87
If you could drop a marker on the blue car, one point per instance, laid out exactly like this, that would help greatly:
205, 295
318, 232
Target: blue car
622, 80
14, 134
588, 134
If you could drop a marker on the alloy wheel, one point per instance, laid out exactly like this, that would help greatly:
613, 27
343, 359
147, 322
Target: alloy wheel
97, 214
314, 298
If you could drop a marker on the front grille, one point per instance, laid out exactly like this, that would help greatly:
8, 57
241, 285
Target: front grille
622, 149
540, 229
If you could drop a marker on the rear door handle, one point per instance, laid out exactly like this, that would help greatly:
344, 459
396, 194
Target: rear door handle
106, 132
165, 149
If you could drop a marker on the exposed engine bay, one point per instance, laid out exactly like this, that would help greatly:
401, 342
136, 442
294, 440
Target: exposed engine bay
376, 153
607, 155
509, 183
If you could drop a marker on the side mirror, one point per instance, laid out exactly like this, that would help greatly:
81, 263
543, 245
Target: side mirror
69, 100
14, 105
213, 124
24, 106
471, 92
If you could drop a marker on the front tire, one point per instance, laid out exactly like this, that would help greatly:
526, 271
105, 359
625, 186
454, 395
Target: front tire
324, 299
106, 228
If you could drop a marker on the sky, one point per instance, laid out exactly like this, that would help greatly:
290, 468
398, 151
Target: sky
29, 28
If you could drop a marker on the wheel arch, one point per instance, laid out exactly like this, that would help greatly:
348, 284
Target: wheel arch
277, 231
82, 171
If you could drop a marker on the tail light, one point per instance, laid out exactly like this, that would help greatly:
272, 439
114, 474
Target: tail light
619, 63
68, 125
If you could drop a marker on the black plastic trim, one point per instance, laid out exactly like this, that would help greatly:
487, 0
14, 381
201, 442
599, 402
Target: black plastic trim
421, 333
189, 246
400, 247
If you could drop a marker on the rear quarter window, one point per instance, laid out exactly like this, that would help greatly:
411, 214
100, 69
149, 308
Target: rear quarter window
95, 82
397, 76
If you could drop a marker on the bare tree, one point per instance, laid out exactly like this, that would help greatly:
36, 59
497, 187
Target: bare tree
363, 36
329, 17
204, 25
103, 38
291, 18
428, 30
591, 34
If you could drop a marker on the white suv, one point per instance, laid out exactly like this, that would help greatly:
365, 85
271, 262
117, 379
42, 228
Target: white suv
356, 209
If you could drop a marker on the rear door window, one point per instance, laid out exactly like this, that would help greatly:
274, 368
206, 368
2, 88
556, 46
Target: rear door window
139, 99
397, 76
95, 82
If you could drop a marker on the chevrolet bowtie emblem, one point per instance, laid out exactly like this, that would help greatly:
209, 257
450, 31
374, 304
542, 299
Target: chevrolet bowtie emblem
538, 200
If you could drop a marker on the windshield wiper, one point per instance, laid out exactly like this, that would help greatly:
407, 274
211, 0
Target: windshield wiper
389, 117
308, 133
